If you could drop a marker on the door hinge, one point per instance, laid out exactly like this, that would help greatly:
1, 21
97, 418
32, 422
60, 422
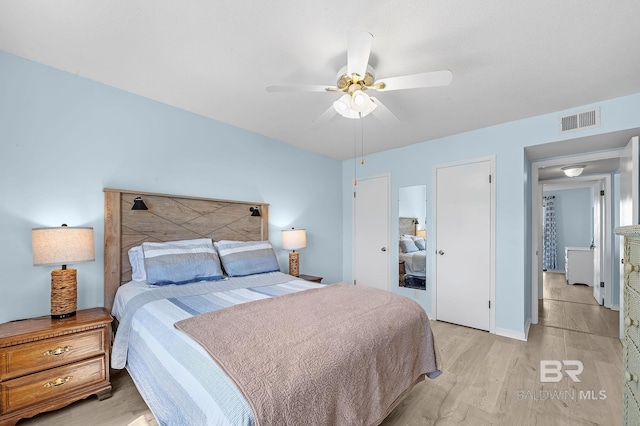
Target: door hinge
602, 284
489, 304
354, 194
354, 282
602, 192
489, 178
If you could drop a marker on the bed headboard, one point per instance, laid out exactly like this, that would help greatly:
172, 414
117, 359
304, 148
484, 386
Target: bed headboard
407, 225
170, 218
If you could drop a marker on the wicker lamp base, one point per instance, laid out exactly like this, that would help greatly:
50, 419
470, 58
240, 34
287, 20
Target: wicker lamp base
294, 263
64, 293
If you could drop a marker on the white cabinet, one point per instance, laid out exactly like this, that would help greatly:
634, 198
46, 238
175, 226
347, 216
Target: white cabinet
631, 308
578, 265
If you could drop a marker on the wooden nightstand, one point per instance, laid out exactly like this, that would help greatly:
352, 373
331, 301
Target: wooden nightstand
311, 278
401, 272
46, 364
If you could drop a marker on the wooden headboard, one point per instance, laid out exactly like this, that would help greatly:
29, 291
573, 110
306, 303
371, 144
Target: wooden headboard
407, 225
170, 218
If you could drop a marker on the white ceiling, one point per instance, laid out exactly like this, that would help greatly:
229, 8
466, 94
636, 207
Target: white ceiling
510, 60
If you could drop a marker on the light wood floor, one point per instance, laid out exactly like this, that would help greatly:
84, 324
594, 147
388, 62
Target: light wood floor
573, 307
486, 379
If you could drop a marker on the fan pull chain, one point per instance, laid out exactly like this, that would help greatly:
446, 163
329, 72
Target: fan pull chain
355, 153
361, 138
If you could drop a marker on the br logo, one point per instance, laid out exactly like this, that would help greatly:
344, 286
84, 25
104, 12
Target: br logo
551, 371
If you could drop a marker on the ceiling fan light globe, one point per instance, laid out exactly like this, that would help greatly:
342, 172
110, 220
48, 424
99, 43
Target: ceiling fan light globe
342, 106
360, 102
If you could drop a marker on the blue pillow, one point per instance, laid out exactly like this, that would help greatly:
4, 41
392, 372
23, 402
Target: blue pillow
180, 263
241, 258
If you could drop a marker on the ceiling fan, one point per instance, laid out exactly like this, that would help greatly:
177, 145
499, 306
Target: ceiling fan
358, 77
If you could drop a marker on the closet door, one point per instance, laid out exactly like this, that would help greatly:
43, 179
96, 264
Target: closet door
371, 226
464, 250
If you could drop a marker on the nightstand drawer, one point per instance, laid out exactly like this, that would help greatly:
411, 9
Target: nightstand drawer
23, 359
50, 384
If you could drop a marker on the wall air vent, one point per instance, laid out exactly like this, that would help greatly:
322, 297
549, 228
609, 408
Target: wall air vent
581, 120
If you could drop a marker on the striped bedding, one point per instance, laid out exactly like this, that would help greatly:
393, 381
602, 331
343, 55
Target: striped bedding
175, 375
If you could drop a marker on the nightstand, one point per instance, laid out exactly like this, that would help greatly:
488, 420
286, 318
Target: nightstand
311, 278
401, 272
46, 364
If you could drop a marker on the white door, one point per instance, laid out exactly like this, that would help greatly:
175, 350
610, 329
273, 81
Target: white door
628, 205
463, 245
598, 292
371, 233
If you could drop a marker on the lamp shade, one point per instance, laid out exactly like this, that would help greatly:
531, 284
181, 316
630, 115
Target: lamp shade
293, 239
62, 245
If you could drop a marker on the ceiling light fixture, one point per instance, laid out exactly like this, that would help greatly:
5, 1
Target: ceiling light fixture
573, 171
356, 104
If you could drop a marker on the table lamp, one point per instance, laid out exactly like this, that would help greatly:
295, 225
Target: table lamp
293, 239
61, 246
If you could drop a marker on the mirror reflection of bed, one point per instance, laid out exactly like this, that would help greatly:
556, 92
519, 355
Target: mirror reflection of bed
412, 213
412, 254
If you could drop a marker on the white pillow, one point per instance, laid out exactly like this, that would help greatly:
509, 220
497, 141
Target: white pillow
136, 259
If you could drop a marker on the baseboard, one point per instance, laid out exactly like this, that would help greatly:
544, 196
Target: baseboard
512, 334
615, 307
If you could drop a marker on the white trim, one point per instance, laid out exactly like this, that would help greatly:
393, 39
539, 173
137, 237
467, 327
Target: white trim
596, 183
511, 334
615, 307
492, 253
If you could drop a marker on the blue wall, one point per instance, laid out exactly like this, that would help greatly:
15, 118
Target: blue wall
413, 165
64, 138
574, 220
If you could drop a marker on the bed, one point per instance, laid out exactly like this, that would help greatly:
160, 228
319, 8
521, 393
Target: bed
246, 344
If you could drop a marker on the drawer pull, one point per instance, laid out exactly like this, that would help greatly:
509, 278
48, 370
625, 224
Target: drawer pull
57, 351
58, 382
630, 267
630, 377
628, 322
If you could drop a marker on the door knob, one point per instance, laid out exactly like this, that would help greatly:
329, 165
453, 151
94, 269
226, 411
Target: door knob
383, 249
440, 252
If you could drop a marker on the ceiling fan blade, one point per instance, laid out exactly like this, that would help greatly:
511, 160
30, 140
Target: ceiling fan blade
384, 114
324, 118
358, 51
302, 88
415, 81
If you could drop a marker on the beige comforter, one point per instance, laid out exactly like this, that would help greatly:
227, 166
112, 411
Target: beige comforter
338, 355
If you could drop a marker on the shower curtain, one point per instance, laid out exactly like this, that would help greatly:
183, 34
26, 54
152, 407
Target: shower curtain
549, 234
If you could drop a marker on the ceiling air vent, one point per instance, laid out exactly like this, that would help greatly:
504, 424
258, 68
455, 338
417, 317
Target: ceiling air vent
580, 120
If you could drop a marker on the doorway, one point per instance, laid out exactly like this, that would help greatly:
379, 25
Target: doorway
609, 161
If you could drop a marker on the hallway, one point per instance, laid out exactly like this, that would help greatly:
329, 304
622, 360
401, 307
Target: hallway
572, 307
